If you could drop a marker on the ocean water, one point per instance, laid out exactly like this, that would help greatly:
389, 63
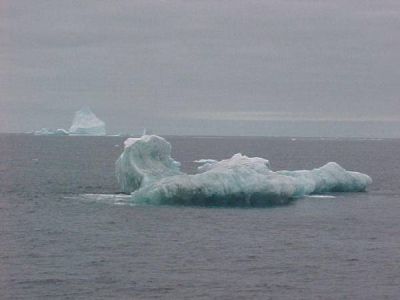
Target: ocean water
66, 234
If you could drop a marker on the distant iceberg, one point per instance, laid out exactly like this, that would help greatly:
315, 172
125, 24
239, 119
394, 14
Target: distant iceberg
86, 123
46, 131
147, 171
61, 132
43, 131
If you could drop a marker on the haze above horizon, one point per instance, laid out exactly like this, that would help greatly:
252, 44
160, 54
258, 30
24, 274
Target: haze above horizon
268, 68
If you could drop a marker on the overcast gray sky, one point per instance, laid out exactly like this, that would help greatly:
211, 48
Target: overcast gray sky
302, 68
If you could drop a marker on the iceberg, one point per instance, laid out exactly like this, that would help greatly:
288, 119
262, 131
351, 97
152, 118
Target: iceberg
147, 171
61, 131
43, 131
86, 123
46, 131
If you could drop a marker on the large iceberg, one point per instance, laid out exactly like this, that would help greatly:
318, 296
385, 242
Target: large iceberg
147, 171
86, 123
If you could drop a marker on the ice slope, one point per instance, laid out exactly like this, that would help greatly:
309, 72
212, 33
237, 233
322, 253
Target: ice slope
86, 123
146, 170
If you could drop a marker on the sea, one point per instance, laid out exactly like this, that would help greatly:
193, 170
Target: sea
67, 233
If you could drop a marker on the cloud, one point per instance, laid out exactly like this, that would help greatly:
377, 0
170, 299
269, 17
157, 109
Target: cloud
150, 61
280, 116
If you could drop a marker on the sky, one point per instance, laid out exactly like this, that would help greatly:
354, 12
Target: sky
221, 67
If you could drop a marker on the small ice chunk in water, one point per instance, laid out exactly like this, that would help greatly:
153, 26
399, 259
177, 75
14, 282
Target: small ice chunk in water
321, 196
45, 131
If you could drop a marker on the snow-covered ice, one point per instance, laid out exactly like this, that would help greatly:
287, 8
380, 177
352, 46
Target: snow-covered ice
86, 123
147, 171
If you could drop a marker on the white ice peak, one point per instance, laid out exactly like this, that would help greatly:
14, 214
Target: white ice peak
86, 123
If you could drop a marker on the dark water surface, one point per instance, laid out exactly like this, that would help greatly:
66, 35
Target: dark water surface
55, 244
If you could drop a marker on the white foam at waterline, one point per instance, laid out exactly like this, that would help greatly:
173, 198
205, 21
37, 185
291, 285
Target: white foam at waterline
320, 196
117, 199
